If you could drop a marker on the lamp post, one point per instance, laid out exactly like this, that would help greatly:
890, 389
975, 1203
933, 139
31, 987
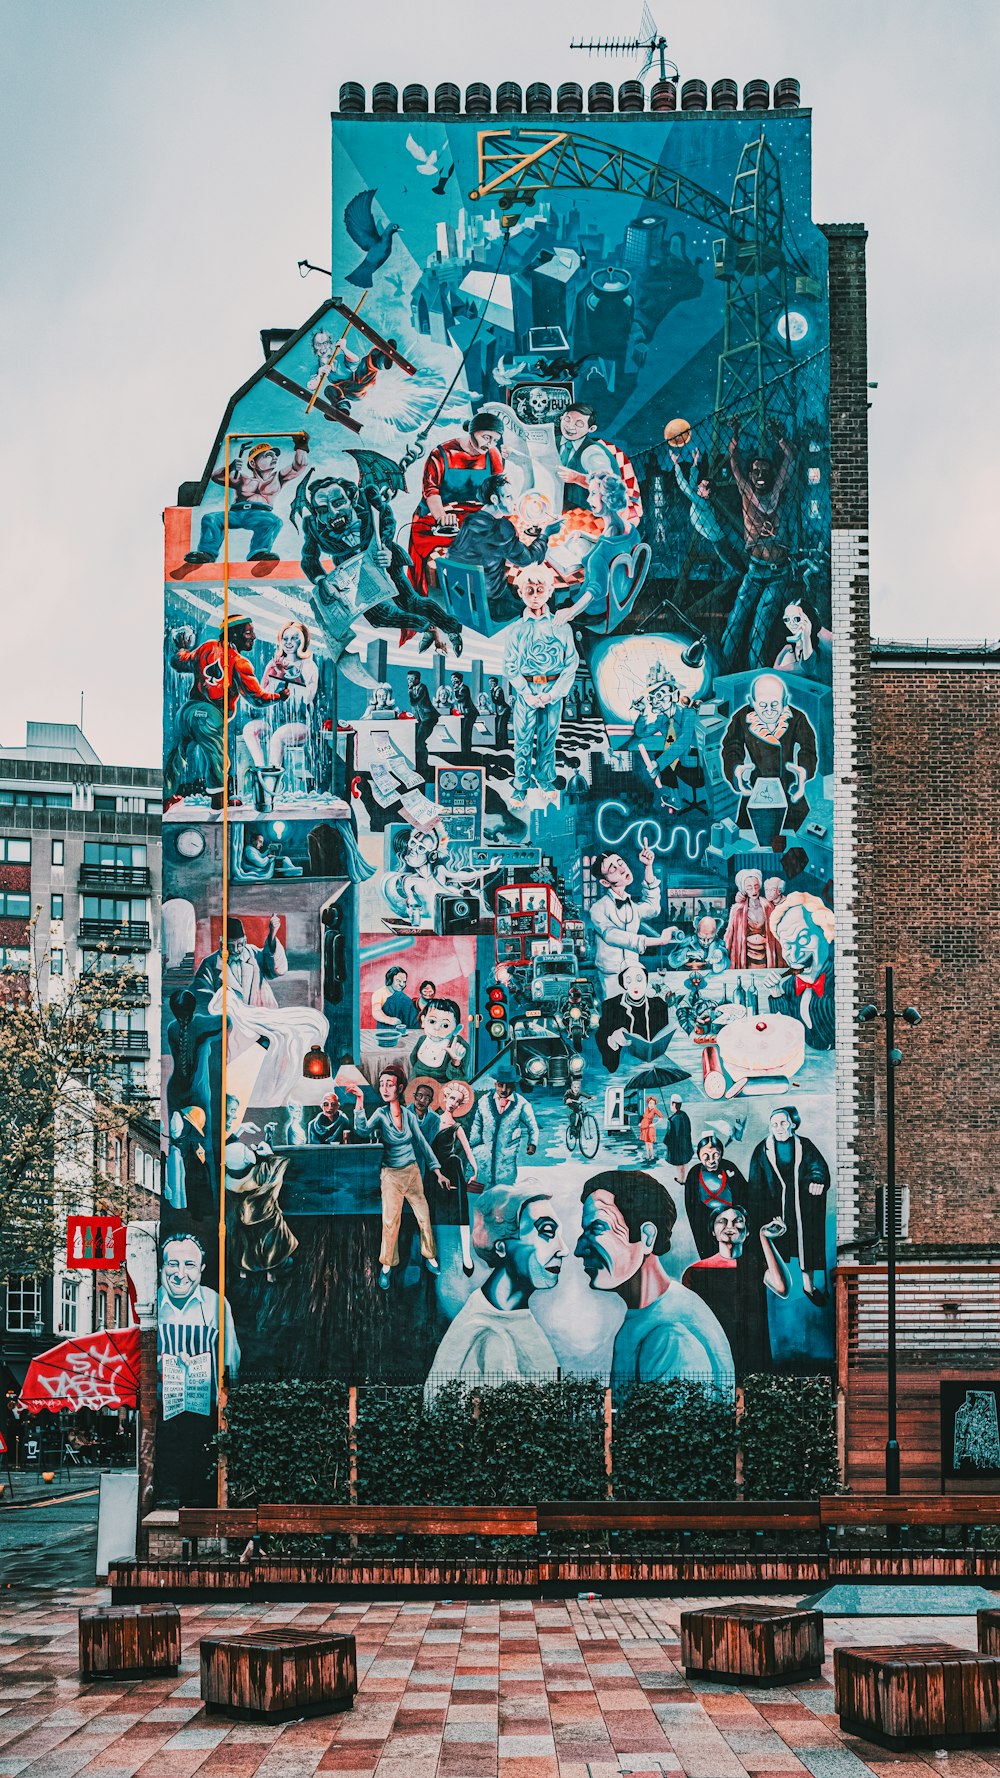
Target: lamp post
893, 1058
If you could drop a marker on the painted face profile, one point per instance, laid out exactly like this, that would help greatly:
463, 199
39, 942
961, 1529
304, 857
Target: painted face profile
609, 1254
534, 1257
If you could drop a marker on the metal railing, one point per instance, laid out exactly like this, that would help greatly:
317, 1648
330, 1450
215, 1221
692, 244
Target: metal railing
115, 876
118, 936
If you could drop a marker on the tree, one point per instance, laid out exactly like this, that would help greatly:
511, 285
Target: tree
60, 1086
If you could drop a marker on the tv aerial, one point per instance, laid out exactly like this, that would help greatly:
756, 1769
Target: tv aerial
650, 43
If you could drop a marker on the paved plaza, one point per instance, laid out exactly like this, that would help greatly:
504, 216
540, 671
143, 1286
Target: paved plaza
545, 1689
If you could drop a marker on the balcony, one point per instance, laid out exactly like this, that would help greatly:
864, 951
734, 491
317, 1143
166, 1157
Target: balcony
116, 876
126, 1043
132, 936
124, 990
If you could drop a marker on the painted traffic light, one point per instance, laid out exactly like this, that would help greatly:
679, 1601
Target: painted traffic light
497, 1013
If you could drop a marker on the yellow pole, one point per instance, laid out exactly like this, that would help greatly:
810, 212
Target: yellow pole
221, 1492
221, 1471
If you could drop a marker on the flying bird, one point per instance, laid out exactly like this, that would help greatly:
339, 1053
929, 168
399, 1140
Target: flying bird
426, 163
442, 182
365, 232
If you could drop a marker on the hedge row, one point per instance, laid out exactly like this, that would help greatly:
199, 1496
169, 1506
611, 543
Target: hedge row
521, 1442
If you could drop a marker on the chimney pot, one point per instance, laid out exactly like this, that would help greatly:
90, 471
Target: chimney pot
508, 98
631, 96
448, 99
385, 99
787, 95
415, 100
694, 96
352, 99
570, 97
756, 95
663, 96
601, 98
725, 96
478, 100
539, 98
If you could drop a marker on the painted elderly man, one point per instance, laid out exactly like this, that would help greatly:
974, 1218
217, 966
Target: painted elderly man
495, 1336
769, 754
805, 929
628, 1219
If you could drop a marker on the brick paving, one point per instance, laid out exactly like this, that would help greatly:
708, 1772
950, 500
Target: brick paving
502, 1689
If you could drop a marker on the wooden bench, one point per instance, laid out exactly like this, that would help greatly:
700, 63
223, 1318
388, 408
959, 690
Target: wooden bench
922, 1694
129, 1641
658, 1516
277, 1675
942, 1510
988, 1631
758, 1645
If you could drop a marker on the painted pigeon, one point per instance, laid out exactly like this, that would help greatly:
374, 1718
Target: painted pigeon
364, 230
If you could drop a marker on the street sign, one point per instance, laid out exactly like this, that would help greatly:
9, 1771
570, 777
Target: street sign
3, 1445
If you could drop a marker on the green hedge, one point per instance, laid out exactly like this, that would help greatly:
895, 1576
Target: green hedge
674, 1441
789, 1438
513, 1443
522, 1442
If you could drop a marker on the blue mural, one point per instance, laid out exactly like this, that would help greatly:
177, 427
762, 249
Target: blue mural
498, 676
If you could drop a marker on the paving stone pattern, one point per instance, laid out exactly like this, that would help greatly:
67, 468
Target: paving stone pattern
561, 1689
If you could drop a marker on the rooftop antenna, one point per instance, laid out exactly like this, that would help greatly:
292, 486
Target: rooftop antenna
650, 43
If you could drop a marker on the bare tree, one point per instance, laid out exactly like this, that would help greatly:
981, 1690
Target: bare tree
61, 1086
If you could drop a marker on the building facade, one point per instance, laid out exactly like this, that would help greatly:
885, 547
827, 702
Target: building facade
80, 887
509, 662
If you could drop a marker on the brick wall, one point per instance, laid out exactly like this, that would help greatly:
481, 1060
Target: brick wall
851, 690
935, 853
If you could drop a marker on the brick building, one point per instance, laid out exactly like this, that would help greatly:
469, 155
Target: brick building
918, 886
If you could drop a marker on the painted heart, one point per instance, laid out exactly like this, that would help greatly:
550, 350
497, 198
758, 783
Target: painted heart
625, 577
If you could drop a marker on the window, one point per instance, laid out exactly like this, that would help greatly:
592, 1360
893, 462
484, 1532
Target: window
15, 851
15, 957
36, 799
105, 805
14, 905
67, 1311
117, 1018
112, 856
24, 1304
118, 1311
118, 1157
102, 1150
55, 962
57, 907
116, 910
102, 1311
59, 851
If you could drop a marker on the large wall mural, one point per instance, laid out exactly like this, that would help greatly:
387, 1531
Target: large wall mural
498, 690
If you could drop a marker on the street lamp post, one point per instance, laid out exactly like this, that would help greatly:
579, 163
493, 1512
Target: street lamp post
893, 1058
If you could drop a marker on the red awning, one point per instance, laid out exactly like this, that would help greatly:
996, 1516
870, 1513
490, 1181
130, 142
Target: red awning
99, 1370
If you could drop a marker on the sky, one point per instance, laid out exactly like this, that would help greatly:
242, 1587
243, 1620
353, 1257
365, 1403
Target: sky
166, 166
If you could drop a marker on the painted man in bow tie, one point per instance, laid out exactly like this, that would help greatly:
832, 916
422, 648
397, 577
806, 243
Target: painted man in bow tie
617, 916
805, 929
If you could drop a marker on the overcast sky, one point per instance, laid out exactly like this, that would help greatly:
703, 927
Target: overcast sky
166, 165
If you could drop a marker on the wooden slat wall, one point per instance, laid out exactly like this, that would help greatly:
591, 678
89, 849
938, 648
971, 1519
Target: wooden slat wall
919, 1427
